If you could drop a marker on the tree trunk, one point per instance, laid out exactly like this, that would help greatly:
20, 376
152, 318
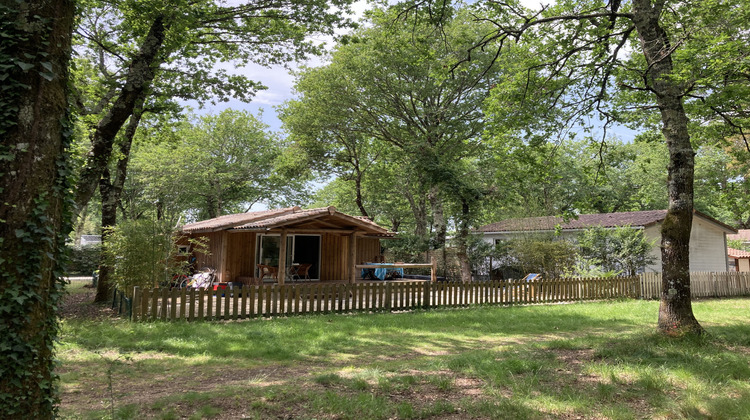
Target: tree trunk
80, 225
675, 309
140, 75
109, 219
418, 209
35, 218
438, 217
358, 190
395, 224
111, 193
462, 243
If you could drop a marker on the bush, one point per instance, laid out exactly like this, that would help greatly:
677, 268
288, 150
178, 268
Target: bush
614, 250
144, 253
535, 254
83, 259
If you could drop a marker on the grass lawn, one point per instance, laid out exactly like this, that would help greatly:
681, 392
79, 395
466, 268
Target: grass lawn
590, 360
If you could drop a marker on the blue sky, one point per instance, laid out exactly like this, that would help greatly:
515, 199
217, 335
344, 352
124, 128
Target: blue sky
280, 83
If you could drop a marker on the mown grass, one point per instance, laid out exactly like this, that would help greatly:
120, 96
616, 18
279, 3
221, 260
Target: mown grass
591, 360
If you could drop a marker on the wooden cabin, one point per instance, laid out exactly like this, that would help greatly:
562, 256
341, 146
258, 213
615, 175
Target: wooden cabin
333, 242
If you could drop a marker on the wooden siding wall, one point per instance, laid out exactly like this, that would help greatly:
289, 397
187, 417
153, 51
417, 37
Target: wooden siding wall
367, 250
334, 257
240, 258
213, 259
240, 255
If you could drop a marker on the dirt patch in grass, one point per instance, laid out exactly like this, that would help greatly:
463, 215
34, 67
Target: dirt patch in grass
80, 306
133, 384
574, 361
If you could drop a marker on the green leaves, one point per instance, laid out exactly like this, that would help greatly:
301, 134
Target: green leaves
215, 165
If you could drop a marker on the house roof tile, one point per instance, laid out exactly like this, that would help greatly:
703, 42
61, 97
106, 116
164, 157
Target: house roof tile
232, 220
737, 253
288, 217
548, 223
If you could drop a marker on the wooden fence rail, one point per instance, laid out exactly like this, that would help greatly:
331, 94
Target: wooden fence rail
702, 284
311, 298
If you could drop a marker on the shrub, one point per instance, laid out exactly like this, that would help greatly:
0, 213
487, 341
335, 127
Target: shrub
547, 255
144, 253
83, 259
614, 250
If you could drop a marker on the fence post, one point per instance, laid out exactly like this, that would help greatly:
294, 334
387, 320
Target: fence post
387, 305
114, 297
136, 304
427, 295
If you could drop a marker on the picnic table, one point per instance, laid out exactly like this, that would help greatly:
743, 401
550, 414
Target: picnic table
382, 272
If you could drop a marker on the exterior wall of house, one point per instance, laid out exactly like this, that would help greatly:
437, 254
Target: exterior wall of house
653, 235
240, 253
708, 248
367, 250
743, 264
334, 255
230, 254
233, 254
213, 258
707, 245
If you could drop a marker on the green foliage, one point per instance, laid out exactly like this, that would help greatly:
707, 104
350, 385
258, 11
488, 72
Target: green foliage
214, 165
738, 244
547, 256
84, 259
391, 116
615, 250
199, 36
144, 253
407, 247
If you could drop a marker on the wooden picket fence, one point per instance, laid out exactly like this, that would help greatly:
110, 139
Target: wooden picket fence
311, 298
702, 284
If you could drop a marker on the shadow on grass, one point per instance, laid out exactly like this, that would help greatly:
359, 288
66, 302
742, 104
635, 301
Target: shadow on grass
691, 377
365, 335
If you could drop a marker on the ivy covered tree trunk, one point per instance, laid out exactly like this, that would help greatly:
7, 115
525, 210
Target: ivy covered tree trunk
675, 310
35, 210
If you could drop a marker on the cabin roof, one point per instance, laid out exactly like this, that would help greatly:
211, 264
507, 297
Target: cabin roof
323, 218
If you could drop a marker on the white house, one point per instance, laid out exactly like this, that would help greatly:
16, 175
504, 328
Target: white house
708, 238
91, 240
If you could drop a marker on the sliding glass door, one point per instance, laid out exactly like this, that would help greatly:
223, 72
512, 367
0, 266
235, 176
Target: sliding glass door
300, 249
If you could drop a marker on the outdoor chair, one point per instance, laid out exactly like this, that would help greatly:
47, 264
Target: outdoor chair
267, 270
302, 271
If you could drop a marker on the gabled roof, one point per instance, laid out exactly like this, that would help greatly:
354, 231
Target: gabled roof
737, 253
289, 218
742, 235
607, 220
232, 220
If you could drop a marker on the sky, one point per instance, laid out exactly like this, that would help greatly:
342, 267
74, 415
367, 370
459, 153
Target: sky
278, 80
280, 83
